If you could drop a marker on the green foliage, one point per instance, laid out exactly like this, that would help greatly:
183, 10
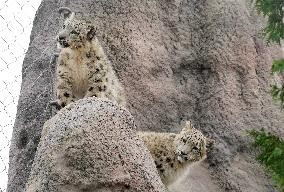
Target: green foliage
276, 91
271, 154
277, 66
272, 9
278, 94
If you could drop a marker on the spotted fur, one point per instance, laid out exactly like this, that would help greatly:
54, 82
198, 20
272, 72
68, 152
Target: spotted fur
83, 69
173, 153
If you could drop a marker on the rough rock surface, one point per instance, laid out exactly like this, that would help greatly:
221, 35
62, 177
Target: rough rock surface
198, 175
91, 145
199, 60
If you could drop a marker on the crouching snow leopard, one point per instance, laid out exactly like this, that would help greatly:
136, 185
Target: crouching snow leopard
173, 153
83, 69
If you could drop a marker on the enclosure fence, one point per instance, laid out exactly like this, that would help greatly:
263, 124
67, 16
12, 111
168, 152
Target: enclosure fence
16, 19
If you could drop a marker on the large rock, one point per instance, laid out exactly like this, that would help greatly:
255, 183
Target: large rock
91, 145
177, 59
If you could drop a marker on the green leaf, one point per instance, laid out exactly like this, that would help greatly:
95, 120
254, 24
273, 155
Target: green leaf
271, 154
277, 66
272, 9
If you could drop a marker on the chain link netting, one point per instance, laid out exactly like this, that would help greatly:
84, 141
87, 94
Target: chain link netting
16, 19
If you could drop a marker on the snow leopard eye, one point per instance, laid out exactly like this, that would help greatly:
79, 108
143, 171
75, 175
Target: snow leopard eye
195, 149
74, 32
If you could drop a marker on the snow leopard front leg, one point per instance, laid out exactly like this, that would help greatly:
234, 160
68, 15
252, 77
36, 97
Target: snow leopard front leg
64, 93
97, 78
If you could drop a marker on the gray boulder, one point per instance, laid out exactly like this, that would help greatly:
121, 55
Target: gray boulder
91, 145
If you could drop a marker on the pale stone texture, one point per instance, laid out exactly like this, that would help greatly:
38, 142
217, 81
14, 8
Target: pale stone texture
91, 145
199, 60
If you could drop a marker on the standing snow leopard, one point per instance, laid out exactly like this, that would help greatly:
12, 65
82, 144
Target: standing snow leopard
83, 69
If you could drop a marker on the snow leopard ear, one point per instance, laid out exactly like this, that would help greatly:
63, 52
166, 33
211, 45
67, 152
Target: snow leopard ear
91, 33
187, 126
210, 143
66, 12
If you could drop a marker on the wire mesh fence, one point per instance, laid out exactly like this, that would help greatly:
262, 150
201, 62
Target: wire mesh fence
16, 19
